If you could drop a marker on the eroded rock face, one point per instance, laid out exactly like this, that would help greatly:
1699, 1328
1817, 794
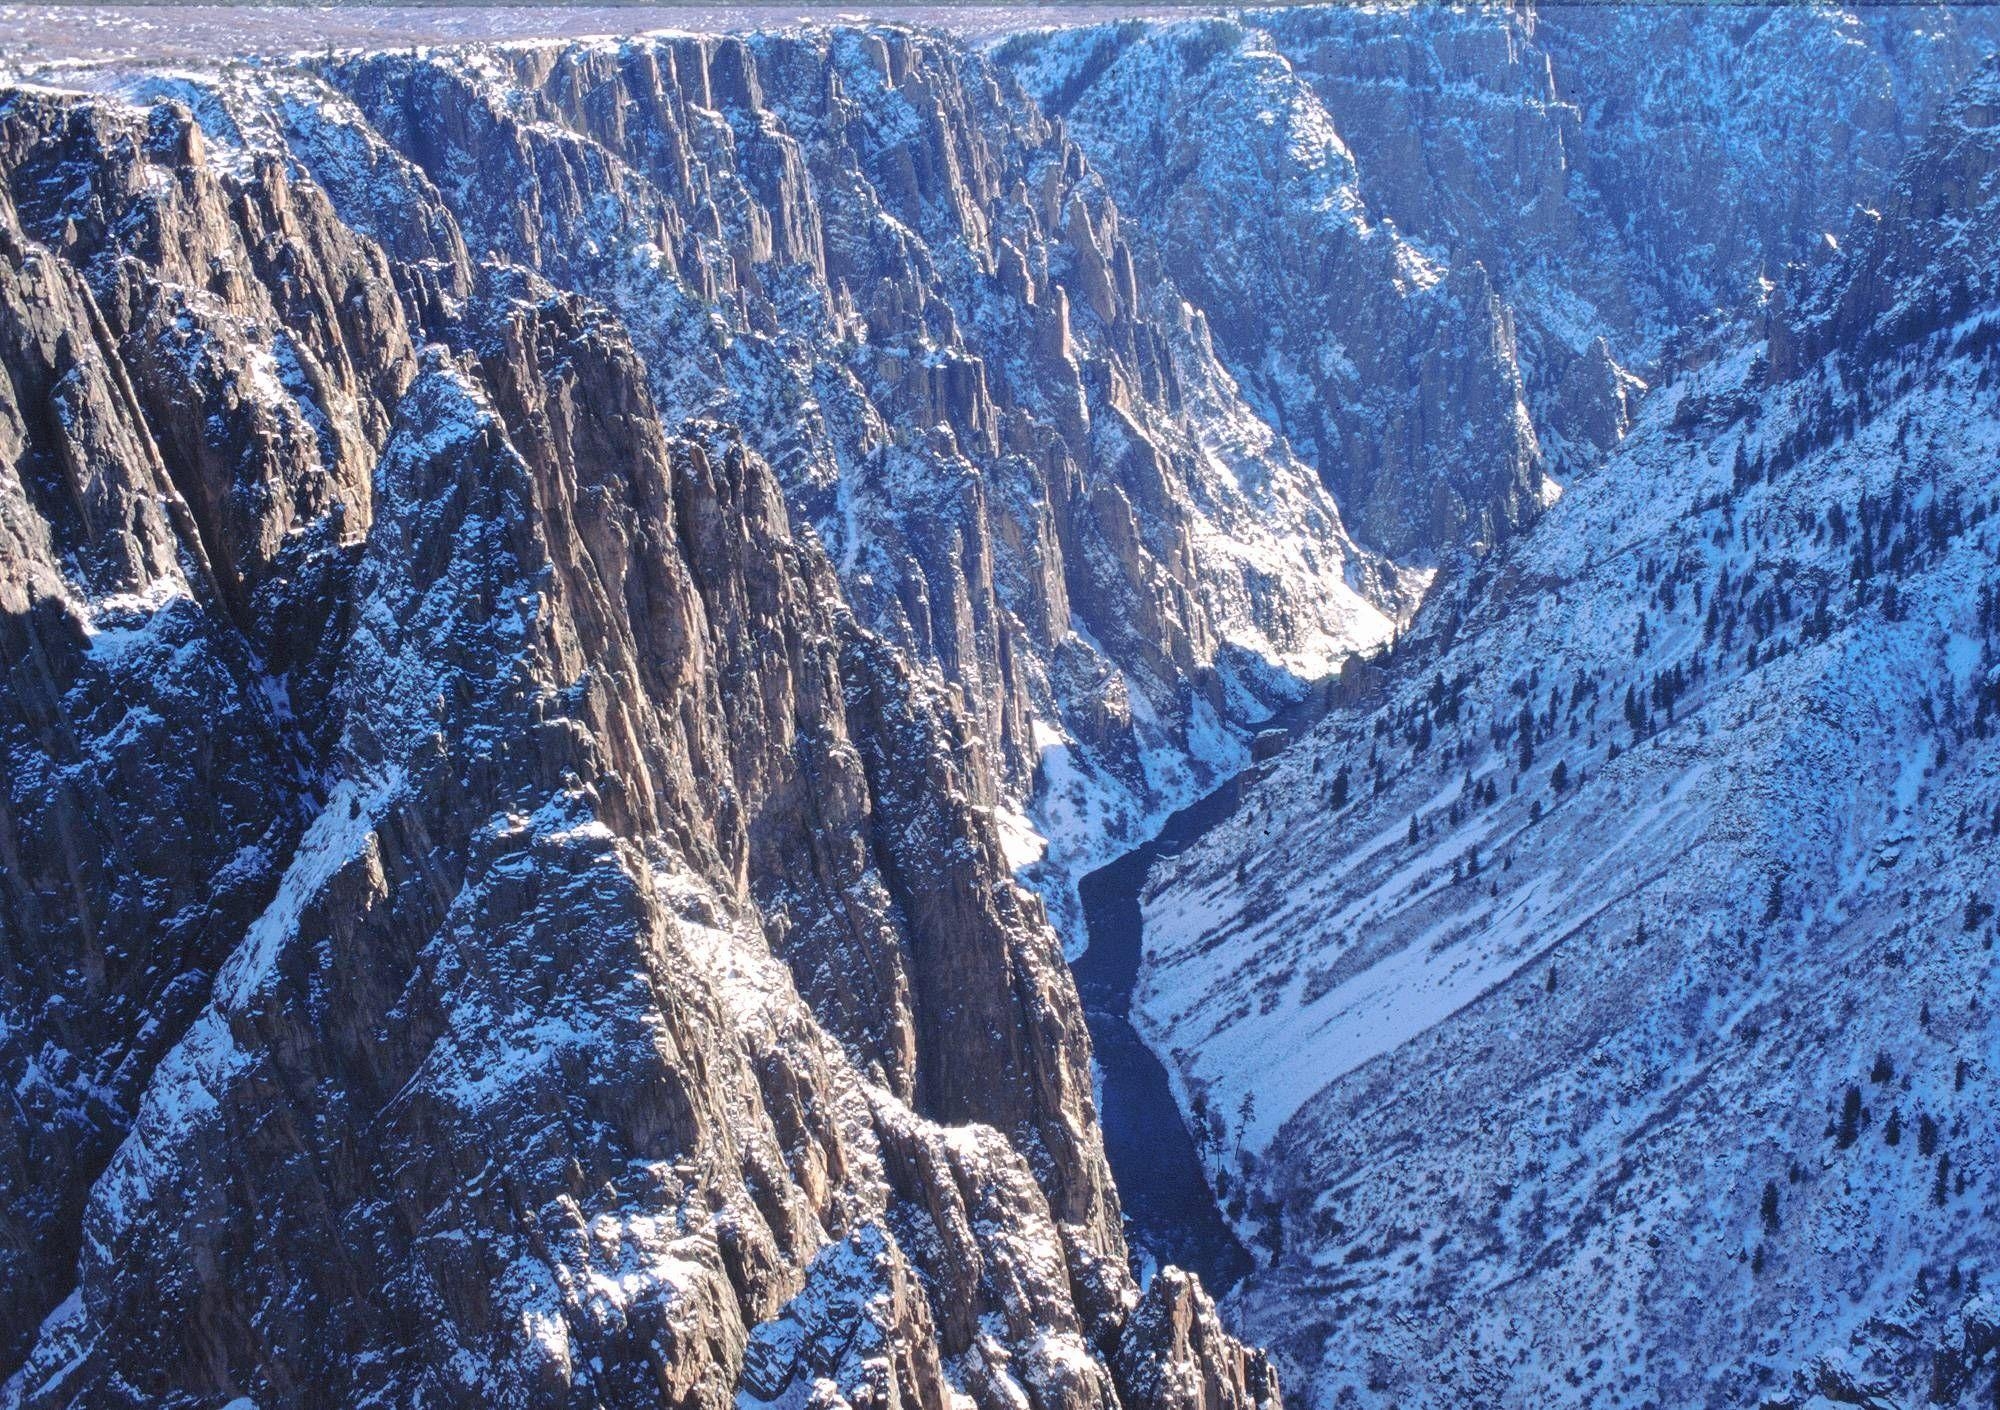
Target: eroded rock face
1176, 1355
871, 251
1445, 220
1636, 1049
1917, 268
485, 921
1393, 373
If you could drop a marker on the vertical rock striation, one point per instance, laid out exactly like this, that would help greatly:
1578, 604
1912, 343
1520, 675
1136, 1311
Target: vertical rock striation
1390, 370
1462, 225
870, 250
485, 920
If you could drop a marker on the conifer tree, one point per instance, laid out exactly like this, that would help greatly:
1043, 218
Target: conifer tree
1850, 1119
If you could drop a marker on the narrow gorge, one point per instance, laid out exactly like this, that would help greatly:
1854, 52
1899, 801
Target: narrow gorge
1075, 709
538, 579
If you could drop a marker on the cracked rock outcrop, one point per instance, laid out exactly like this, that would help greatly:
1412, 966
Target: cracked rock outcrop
484, 920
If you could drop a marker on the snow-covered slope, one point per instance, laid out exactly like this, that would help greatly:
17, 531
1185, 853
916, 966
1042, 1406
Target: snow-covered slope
1409, 219
1601, 1012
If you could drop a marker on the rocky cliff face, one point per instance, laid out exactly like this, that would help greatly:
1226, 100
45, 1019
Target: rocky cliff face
553, 594
485, 919
914, 293
1599, 1013
1444, 234
1392, 372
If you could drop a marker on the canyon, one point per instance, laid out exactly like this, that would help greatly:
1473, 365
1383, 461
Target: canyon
593, 625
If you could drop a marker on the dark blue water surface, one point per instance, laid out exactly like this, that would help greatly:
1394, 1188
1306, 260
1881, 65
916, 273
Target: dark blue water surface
1170, 1213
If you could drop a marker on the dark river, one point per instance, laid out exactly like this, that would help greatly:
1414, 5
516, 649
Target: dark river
1170, 1214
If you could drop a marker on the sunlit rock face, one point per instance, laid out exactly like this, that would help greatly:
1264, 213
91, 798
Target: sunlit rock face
538, 585
1444, 249
574, 611
873, 253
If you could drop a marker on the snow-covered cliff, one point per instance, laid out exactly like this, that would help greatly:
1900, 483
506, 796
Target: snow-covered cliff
538, 582
1600, 1011
1446, 247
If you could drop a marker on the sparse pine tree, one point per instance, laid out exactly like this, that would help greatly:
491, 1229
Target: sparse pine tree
1849, 1129
1770, 1209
